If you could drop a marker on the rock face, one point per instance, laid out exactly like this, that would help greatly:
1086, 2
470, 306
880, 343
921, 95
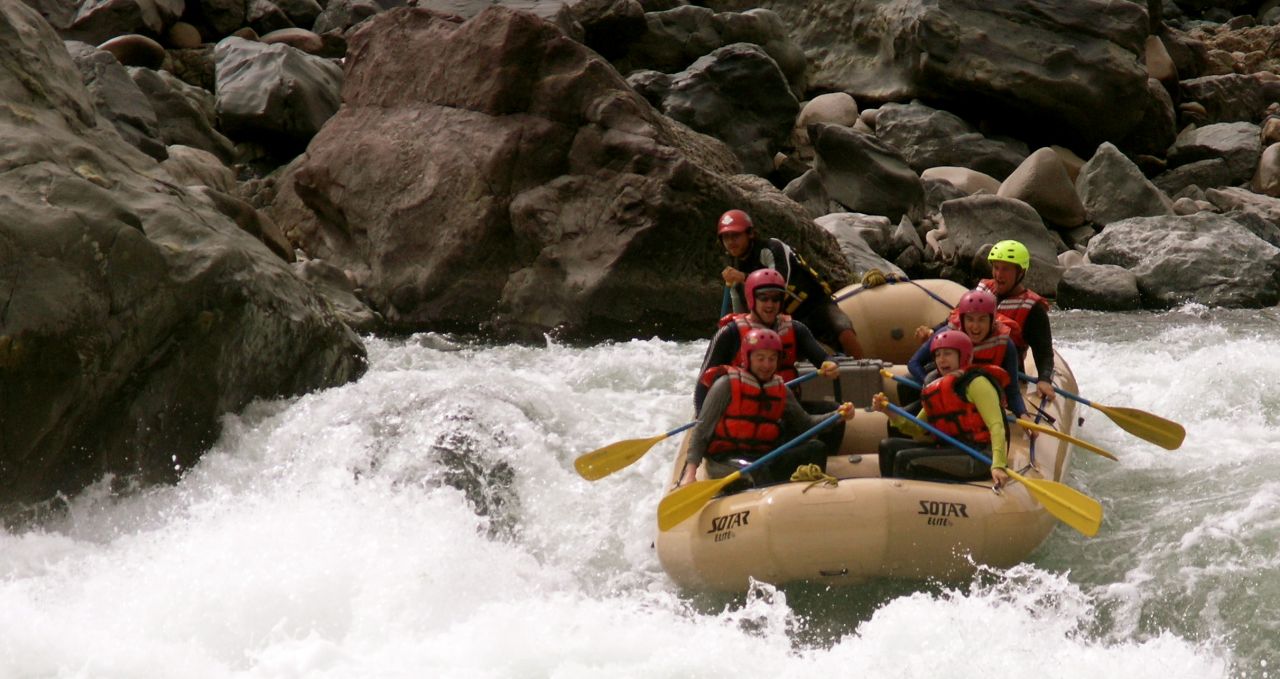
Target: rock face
135, 314
508, 177
1206, 258
1032, 64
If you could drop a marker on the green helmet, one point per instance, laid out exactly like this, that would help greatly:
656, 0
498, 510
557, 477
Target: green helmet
1010, 251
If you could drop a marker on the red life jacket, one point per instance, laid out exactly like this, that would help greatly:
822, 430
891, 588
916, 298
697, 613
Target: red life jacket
752, 422
953, 414
990, 351
785, 330
1016, 307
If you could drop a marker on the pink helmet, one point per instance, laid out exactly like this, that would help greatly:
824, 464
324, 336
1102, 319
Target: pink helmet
977, 302
733, 221
762, 338
762, 279
953, 339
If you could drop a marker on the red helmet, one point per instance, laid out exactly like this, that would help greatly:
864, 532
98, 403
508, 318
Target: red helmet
733, 221
953, 339
762, 279
977, 302
762, 338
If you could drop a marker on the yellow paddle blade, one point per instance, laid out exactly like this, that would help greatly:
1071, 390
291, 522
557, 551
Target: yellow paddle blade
686, 501
1164, 433
1069, 505
1050, 431
602, 462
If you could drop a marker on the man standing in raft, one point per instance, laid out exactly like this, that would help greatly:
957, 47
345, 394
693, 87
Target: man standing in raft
1010, 261
809, 294
964, 403
744, 415
765, 292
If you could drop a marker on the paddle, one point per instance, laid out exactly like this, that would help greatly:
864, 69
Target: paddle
1164, 433
1025, 424
726, 302
1067, 504
687, 500
602, 462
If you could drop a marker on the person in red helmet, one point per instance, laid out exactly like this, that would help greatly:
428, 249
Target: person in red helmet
745, 414
808, 294
963, 402
765, 292
992, 335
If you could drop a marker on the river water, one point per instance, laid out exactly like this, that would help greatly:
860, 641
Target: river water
426, 521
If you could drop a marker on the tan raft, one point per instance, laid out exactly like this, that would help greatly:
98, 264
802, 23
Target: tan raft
867, 526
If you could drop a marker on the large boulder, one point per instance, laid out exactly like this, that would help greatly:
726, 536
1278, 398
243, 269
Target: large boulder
865, 174
136, 314
1203, 257
495, 173
928, 137
1113, 188
712, 96
1043, 68
274, 92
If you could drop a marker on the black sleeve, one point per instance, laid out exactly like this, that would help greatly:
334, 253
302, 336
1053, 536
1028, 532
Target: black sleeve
1040, 338
721, 350
807, 346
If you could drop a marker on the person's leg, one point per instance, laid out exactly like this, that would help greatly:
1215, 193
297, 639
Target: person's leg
781, 469
939, 463
889, 449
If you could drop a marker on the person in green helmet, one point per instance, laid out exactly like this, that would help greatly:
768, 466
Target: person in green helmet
1010, 261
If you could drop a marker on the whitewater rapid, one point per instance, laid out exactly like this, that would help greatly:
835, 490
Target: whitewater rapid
426, 521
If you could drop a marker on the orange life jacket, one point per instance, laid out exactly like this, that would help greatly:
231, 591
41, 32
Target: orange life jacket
786, 331
1016, 307
752, 422
953, 414
990, 351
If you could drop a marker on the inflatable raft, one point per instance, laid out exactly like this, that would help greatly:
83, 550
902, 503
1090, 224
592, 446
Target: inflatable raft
865, 526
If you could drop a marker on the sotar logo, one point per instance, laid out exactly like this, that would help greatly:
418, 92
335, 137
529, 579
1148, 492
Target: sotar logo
939, 511
723, 523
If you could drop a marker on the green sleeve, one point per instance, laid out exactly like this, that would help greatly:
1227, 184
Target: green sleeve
983, 394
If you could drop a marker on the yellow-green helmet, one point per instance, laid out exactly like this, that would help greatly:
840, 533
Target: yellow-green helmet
1010, 251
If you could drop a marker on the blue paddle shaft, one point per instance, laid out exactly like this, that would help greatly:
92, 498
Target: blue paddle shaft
827, 422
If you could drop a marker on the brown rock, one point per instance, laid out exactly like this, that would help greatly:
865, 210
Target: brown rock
299, 38
135, 50
182, 35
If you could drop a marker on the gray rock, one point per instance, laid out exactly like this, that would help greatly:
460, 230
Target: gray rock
1239, 144
1113, 188
1206, 258
855, 234
184, 113
1234, 97
929, 137
675, 38
1206, 174
136, 315
117, 99
864, 174
1103, 287
755, 122
274, 91
1034, 64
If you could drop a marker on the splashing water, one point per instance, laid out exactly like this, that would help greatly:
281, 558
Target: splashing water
427, 521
